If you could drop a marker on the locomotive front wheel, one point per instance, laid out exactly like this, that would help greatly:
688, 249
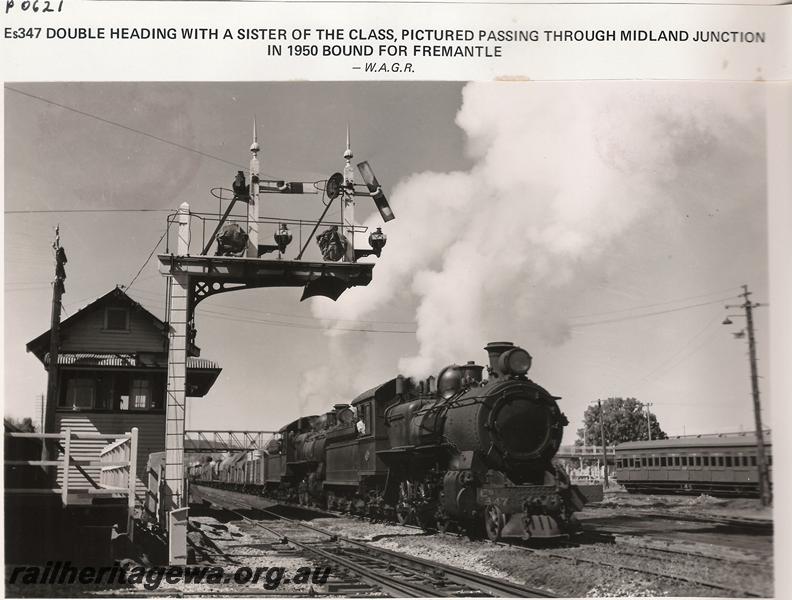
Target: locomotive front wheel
493, 522
405, 515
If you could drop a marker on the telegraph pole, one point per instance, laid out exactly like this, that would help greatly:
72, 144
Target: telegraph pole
602, 437
648, 422
764, 479
48, 451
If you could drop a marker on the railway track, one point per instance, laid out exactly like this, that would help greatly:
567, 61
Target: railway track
368, 570
626, 556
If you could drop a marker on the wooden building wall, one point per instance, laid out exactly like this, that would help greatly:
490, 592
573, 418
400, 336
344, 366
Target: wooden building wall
89, 335
151, 438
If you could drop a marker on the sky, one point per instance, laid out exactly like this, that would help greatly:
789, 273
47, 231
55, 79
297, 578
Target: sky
602, 226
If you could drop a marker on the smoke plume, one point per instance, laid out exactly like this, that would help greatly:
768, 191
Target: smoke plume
561, 172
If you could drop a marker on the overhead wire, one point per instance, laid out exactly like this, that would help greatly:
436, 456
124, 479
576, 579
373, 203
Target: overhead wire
126, 127
143, 266
154, 295
650, 314
219, 315
88, 210
666, 303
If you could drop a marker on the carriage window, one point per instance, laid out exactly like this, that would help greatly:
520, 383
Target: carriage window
753, 461
662, 461
728, 461
697, 460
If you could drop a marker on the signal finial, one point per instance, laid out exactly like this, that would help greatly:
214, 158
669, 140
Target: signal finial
349, 172
254, 147
348, 152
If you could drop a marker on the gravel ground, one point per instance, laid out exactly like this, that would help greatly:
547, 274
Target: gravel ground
580, 579
359, 529
702, 505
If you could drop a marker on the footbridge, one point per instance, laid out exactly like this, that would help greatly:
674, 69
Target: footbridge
208, 441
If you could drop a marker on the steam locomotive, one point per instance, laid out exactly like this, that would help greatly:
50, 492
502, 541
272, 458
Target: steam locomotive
459, 451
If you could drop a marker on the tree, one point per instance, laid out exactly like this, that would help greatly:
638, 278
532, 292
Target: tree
24, 425
625, 421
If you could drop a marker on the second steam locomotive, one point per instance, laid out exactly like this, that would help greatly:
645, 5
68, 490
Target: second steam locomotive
461, 450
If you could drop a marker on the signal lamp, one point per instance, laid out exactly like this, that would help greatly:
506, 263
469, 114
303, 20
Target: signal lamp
377, 240
282, 237
514, 362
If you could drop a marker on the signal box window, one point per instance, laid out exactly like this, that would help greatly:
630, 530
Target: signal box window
80, 393
116, 319
141, 394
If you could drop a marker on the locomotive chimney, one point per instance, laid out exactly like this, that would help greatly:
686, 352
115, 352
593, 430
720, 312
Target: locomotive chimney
399, 386
495, 349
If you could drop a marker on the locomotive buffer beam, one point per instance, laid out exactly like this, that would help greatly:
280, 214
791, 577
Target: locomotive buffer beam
211, 275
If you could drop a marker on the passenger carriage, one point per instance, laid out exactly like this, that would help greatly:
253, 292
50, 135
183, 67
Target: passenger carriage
719, 465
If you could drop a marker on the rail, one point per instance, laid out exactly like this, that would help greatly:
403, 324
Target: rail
117, 461
200, 220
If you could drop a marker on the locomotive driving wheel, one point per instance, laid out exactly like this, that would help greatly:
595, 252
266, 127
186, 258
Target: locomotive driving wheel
493, 522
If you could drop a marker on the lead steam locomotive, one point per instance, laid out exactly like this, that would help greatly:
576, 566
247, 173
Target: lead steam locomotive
459, 451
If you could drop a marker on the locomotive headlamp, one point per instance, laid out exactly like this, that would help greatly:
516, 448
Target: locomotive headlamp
282, 237
514, 362
377, 240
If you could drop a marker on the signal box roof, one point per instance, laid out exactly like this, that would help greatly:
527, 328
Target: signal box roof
719, 440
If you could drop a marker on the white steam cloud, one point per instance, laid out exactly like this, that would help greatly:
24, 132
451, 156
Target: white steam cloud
561, 172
